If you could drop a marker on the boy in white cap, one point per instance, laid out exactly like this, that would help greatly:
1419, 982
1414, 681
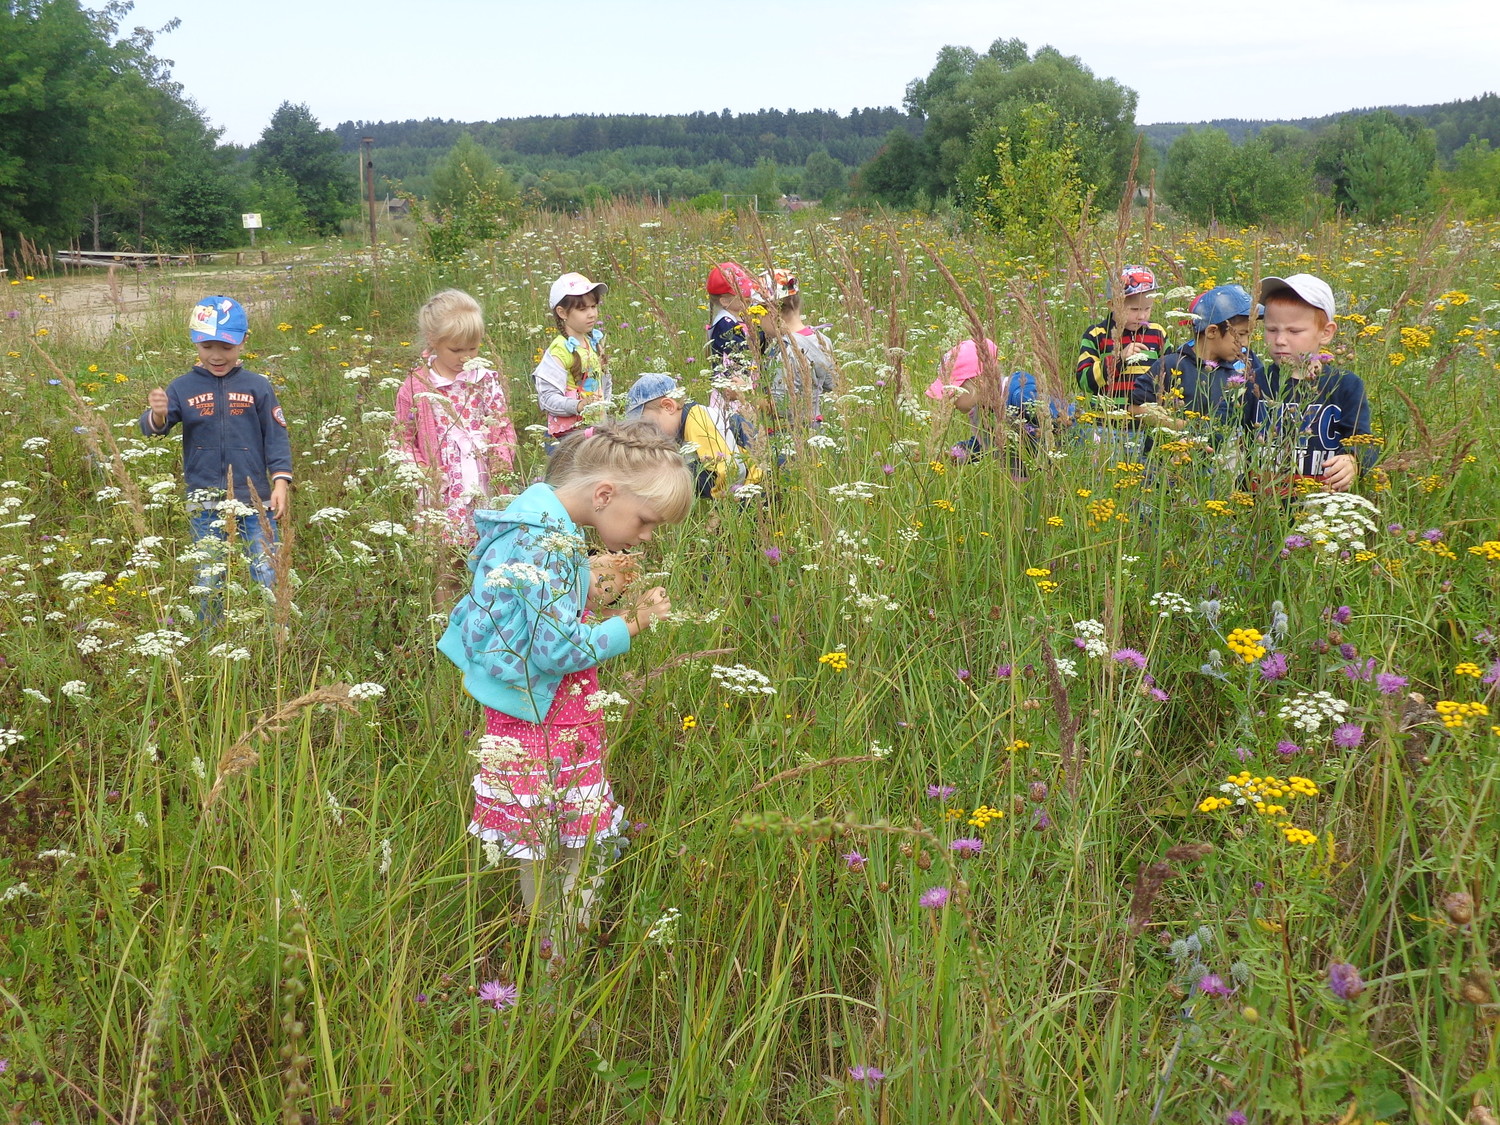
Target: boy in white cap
234, 435
574, 371
1304, 416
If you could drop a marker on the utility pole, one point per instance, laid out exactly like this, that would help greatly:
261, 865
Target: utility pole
368, 144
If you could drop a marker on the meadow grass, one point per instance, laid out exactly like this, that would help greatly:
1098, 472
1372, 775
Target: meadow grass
230, 892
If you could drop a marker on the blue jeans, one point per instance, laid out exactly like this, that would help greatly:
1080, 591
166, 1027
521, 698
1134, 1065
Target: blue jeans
258, 542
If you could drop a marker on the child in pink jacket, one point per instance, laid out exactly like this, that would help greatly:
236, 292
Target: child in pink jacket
453, 420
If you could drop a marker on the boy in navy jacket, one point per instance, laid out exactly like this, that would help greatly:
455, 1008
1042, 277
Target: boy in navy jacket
1303, 417
1200, 385
234, 438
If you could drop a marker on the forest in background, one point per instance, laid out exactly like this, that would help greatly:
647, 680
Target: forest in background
101, 149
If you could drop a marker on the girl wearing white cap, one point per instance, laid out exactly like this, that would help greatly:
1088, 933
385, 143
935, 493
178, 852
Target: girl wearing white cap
573, 372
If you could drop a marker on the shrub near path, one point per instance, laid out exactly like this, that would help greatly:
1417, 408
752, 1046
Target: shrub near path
1112, 794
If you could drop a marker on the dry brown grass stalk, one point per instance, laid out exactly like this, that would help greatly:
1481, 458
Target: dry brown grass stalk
1153, 876
1041, 331
852, 285
812, 767
896, 301
242, 755
1454, 444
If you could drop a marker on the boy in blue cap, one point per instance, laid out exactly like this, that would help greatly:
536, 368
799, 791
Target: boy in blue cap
234, 437
1206, 376
720, 468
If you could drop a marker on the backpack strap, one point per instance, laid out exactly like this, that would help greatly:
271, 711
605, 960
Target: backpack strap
687, 408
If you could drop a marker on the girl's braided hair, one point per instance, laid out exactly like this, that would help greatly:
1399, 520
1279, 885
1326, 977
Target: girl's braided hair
634, 455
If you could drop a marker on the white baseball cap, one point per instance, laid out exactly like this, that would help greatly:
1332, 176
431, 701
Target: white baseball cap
1313, 290
573, 285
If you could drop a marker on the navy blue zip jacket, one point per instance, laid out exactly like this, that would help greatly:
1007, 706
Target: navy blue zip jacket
1299, 425
1204, 388
229, 423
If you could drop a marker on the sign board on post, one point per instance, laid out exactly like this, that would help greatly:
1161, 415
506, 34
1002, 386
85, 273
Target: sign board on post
251, 222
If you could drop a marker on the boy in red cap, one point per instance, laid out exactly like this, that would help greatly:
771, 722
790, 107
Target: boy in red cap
1124, 344
730, 294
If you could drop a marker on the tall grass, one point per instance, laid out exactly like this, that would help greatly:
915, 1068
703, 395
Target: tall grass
307, 936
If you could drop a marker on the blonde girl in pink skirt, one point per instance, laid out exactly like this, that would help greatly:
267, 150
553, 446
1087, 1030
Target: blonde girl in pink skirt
529, 647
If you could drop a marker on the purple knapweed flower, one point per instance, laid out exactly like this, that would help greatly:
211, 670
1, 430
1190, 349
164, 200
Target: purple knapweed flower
1348, 651
1493, 675
1130, 656
967, 845
959, 453
1342, 616
1361, 672
499, 996
1296, 541
773, 555
1040, 820
1388, 683
855, 861
1274, 666
1243, 754
888, 469
1394, 528
1004, 671
1348, 736
962, 674
1432, 535
869, 1075
1287, 748
941, 792
1212, 984
1236, 1117
933, 898
1344, 980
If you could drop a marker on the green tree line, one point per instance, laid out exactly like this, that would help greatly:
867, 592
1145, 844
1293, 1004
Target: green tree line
100, 148
1025, 141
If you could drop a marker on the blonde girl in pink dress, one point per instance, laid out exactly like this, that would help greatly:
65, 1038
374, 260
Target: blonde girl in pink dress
452, 419
529, 644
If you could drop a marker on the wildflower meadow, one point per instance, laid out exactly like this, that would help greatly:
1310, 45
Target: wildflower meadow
1044, 786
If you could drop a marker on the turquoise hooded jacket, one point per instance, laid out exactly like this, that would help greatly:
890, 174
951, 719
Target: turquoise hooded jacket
519, 630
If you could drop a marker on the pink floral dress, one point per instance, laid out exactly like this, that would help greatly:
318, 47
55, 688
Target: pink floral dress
458, 429
548, 785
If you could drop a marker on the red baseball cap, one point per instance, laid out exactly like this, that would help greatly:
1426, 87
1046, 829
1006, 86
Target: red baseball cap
730, 277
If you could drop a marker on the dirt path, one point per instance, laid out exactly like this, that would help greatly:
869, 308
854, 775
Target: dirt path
91, 301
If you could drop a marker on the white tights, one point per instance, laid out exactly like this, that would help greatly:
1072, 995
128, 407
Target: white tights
558, 891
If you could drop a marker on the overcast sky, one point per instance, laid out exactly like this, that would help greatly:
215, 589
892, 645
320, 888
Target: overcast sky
476, 60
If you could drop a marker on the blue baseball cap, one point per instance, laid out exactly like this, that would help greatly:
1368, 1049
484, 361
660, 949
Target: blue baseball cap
648, 388
218, 318
1221, 303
